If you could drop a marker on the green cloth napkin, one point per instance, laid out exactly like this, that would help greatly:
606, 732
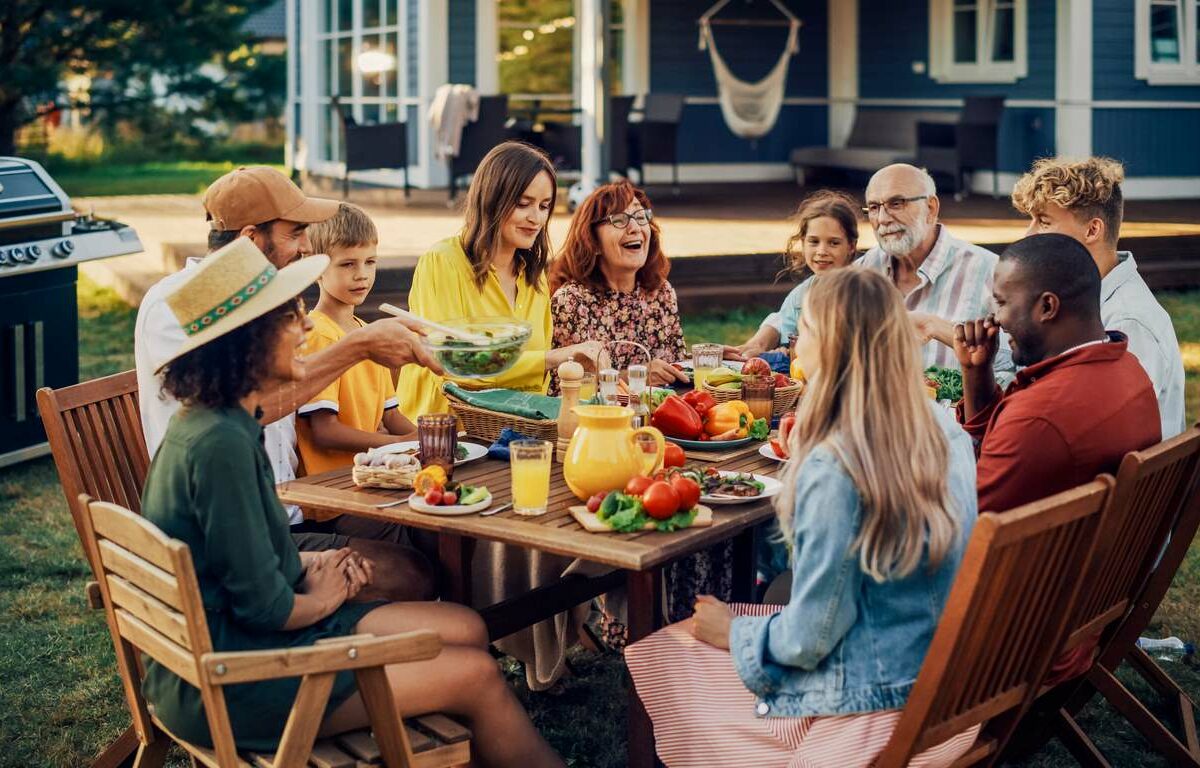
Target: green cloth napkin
528, 405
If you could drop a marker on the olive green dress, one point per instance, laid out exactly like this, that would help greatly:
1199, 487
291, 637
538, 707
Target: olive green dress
211, 487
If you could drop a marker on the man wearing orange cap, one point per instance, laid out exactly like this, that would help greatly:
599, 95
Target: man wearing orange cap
262, 204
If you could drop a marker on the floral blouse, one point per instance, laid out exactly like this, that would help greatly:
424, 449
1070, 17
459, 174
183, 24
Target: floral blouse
651, 318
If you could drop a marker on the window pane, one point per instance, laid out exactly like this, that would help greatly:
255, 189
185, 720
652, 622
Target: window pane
965, 22
325, 16
330, 131
1004, 35
616, 56
345, 15
370, 13
345, 67
370, 113
1164, 33
389, 113
324, 67
372, 83
393, 77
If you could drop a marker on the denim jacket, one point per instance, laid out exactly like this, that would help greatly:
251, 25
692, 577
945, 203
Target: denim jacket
845, 643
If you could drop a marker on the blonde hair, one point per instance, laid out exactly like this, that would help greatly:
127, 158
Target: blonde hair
1088, 188
350, 227
866, 404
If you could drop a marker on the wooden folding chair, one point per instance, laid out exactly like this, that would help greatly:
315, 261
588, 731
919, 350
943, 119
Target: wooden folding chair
95, 435
1154, 504
1001, 626
152, 603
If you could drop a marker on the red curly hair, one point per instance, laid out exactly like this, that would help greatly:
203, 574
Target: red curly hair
579, 259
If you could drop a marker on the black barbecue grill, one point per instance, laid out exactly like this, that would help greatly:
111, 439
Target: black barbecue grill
41, 241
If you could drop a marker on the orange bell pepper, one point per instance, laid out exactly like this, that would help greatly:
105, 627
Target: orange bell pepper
731, 420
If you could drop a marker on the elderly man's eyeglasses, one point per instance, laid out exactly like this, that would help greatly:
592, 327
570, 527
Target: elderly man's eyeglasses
621, 220
893, 204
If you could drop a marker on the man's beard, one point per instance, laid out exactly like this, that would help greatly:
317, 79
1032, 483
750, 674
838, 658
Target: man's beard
913, 235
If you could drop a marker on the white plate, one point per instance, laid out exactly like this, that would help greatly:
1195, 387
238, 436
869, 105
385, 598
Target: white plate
771, 486
766, 451
474, 450
418, 505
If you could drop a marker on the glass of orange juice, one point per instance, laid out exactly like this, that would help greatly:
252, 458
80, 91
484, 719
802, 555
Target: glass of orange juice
587, 387
649, 448
530, 464
705, 357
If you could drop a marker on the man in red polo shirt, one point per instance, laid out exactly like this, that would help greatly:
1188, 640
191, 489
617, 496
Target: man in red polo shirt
1081, 402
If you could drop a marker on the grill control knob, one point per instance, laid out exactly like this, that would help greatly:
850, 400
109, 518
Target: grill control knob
33, 253
16, 255
4, 262
62, 249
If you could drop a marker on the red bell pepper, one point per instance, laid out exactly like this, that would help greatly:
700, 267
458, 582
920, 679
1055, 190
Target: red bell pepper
677, 419
700, 401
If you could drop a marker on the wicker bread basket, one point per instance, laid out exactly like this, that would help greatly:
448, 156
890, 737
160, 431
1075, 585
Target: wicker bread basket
785, 397
382, 477
486, 425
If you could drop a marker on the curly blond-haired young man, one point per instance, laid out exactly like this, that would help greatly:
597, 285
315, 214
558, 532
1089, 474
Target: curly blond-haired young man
1082, 199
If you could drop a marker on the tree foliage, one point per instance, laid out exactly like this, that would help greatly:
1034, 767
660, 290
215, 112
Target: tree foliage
134, 51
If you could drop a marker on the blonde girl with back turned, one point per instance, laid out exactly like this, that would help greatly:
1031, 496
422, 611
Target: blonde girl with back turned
878, 504
495, 267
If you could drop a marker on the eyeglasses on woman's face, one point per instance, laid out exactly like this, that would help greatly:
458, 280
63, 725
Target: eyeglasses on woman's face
642, 216
892, 204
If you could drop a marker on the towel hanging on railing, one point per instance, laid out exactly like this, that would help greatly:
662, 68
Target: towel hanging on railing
750, 109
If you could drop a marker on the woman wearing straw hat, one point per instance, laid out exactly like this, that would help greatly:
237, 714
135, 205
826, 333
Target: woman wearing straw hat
211, 486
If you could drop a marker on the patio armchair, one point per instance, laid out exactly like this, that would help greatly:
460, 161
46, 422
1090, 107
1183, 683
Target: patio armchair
619, 134
372, 146
971, 144
1154, 516
1001, 625
479, 137
656, 138
153, 606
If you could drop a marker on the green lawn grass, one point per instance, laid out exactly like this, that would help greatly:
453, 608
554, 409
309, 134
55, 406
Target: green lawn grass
139, 178
61, 700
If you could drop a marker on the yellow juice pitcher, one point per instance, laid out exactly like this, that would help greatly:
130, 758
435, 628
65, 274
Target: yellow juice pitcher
604, 453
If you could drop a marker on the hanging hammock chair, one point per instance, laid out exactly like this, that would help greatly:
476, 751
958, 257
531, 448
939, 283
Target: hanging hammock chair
750, 109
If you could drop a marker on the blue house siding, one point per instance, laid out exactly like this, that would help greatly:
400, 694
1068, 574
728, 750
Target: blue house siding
461, 41
1113, 78
677, 65
892, 35
1150, 142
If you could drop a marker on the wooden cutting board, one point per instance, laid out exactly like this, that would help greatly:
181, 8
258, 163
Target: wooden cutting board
730, 453
593, 524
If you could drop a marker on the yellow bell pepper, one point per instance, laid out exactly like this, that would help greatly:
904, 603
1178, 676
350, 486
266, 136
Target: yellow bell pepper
729, 420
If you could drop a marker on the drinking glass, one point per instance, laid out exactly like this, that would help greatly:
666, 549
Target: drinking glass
705, 358
530, 463
649, 452
758, 392
587, 387
437, 434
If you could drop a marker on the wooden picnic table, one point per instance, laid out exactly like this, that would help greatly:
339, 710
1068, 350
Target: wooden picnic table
637, 558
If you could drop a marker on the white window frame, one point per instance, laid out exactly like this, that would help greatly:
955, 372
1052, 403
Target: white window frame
1184, 72
942, 66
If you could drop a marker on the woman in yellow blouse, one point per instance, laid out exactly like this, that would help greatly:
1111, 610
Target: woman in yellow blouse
496, 267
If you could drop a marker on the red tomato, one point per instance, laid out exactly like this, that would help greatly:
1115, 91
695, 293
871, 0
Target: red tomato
673, 457
433, 497
449, 498
660, 500
593, 504
637, 485
687, 491
782, 381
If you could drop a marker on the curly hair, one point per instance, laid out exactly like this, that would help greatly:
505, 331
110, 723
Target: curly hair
579, 259
1090, 189
228, 368
836, 205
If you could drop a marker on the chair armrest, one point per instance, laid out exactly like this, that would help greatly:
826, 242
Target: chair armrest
936, 134
334, 655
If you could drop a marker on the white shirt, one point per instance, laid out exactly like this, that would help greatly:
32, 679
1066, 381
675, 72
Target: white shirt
156, 336
1128, 305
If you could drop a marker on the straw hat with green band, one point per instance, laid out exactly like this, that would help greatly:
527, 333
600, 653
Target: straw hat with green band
233, 286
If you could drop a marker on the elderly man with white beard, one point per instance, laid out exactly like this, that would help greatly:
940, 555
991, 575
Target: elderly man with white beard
944, 280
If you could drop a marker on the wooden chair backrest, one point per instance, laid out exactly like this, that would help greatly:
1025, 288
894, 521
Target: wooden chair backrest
1151, 489
95, 435
1003, 620
152, 603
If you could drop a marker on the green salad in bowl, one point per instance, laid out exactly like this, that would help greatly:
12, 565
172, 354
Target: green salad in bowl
496, 345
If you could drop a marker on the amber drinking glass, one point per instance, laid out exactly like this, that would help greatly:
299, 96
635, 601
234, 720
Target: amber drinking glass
438, 435
758, 392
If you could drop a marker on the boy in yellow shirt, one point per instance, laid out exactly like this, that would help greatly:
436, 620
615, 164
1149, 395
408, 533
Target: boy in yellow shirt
358, 410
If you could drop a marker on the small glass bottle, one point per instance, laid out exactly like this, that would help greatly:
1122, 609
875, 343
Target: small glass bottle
638, 396
608, 387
